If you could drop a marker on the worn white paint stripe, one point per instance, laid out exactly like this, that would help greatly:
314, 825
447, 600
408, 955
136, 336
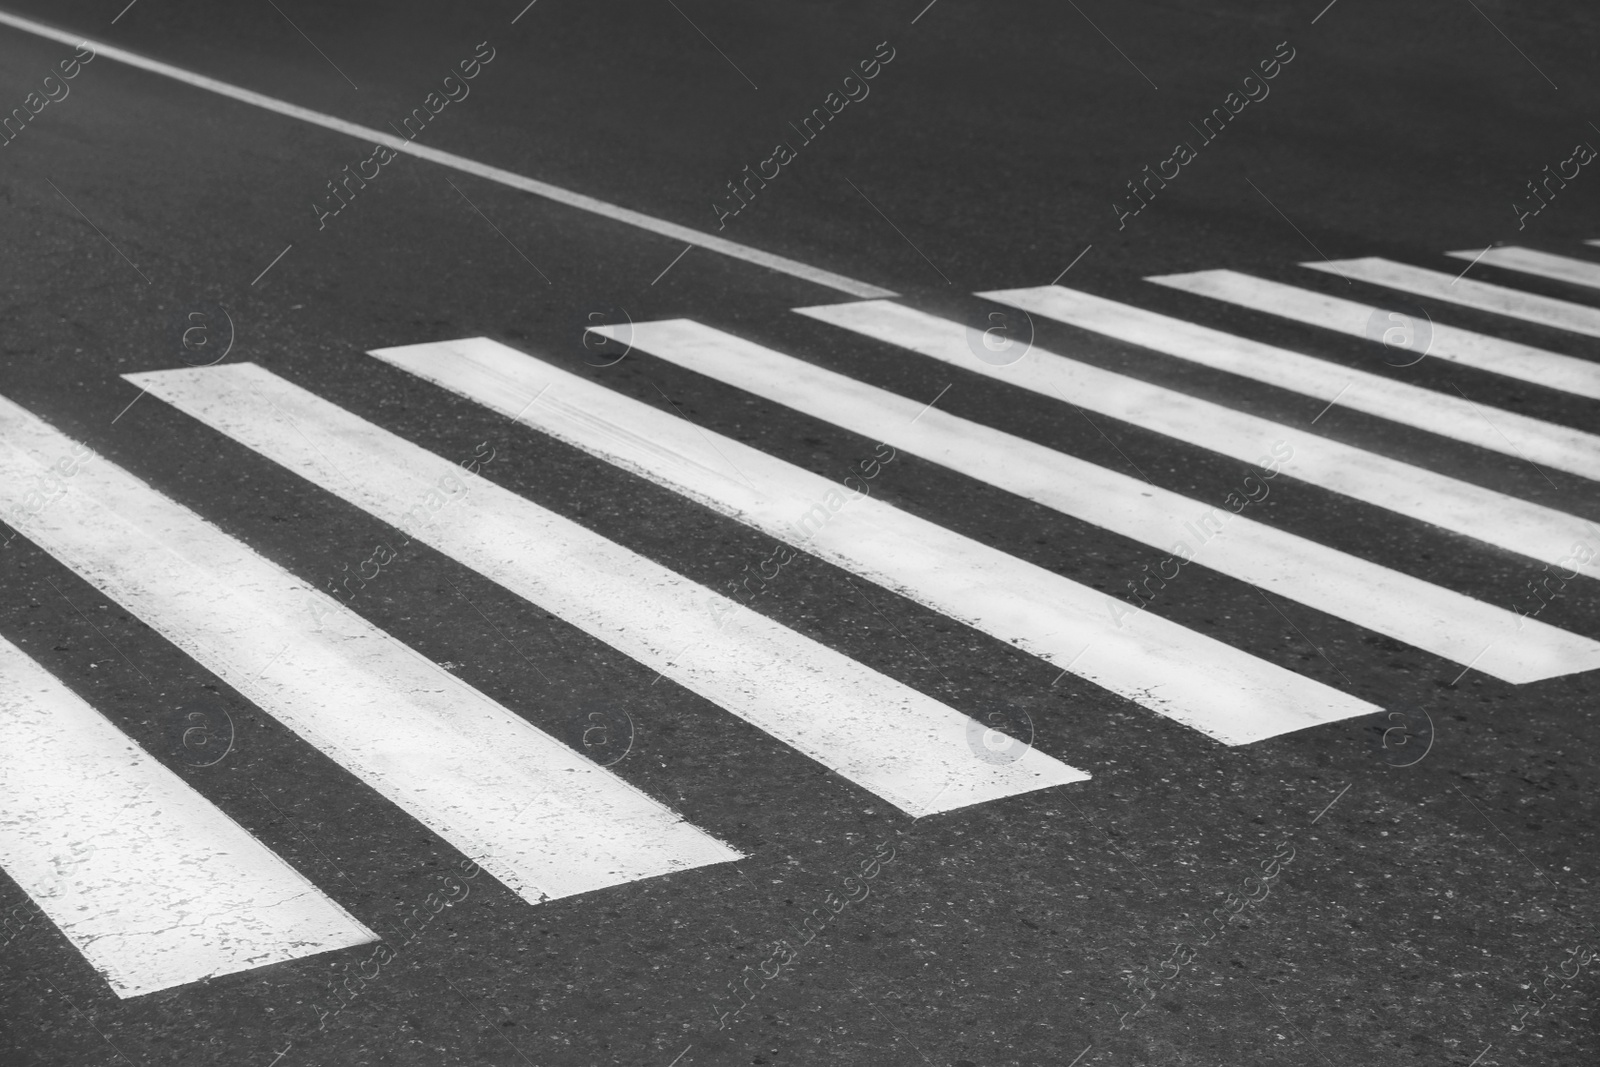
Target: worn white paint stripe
1505, 522
905, 747
528, 809
1542, 264
148, 879
1533, 440
732, 249
1408, 609
1197, 680
1514, 303
1479, 351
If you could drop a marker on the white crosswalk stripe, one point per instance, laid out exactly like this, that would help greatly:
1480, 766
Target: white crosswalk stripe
1442, 341
1481, 296
1519, 526
1541, 264
1497, 430
528, 809
149, 881
905, 747
1408, 609
1194, 679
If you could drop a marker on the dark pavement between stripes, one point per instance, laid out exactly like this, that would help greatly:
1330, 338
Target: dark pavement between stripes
1284, 815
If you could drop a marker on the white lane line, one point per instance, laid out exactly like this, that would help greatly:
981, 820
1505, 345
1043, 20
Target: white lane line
1408, 609
1542, 264
884, 736
1518, 526
1196, 680
1513, 303
1480, 351
781, 264
1533, 440
148, 879
528, 809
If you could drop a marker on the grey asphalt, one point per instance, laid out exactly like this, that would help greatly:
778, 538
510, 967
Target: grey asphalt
1423, 901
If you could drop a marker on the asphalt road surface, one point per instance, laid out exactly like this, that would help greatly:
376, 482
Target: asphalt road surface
455, 611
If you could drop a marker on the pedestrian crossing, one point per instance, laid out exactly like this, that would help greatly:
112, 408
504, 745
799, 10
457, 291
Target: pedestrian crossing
1496, 355
1456, 417
519, 803
1464, 292
548, 823
1169, 669
899, 744
1540, 264
1498, 519
1381, 599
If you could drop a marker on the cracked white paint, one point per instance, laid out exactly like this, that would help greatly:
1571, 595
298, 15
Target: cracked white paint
902, 745
525, 807
149, 880
1194, 679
